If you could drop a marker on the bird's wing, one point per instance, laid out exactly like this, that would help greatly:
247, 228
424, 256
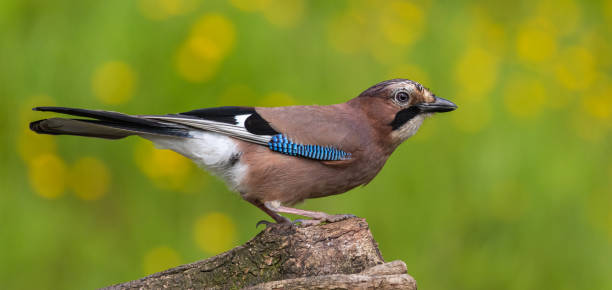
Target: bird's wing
337, 126
316, 132
239, 122
304, 131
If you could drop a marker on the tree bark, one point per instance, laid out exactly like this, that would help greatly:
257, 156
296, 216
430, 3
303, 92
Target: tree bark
340, 255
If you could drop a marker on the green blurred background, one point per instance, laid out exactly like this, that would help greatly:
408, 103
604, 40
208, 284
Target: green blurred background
511, 191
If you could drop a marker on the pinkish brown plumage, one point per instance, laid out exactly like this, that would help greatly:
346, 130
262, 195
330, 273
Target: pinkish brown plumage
277, 156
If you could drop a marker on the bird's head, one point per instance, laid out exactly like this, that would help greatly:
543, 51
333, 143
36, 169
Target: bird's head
398, 107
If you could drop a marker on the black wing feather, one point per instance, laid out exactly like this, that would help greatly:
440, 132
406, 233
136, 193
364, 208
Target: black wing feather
259, 126
221, 114
254, 124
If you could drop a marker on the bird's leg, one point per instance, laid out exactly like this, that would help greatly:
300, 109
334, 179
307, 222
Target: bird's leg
317, 216
278, 218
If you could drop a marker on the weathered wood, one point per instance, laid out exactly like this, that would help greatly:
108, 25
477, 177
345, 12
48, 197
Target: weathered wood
386, 276
341, 255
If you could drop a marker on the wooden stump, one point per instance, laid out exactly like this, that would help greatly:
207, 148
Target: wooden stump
341, 255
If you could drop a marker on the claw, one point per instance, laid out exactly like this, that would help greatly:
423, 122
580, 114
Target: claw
263, 222
285, 221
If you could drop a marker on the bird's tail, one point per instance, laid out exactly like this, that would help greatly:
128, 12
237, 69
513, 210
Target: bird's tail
103, 124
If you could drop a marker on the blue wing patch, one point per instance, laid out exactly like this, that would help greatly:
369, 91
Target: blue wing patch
280, 143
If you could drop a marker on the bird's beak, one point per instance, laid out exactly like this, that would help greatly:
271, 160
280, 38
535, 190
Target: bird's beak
440, 105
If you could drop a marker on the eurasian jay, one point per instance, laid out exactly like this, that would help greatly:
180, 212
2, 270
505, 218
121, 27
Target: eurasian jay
277, 156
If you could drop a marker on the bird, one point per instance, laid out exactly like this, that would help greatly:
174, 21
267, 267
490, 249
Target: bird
276, 157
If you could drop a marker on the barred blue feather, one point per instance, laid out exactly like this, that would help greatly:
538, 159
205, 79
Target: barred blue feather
280, 143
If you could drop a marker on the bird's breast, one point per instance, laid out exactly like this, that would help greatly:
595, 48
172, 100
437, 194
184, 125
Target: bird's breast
288, 179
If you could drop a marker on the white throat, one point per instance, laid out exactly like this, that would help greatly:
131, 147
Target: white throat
408, 129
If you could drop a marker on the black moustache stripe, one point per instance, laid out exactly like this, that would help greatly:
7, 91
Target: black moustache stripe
404, 116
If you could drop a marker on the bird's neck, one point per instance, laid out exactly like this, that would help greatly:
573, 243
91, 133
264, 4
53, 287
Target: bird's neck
380, 130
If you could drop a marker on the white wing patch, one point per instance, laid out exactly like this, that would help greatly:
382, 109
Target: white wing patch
237, 131
240, 119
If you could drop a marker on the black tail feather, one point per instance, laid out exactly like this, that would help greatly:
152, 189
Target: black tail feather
105, 124
100, 115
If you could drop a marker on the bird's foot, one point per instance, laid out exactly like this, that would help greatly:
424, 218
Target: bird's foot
328, 218
317, 217
283, 221
339, 217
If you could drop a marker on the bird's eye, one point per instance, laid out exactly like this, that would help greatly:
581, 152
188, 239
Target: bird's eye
402, 97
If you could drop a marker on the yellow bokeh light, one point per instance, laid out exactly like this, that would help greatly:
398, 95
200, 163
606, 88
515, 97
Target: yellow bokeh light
168, 169
476, 73
31, 145
114, 82
215, 232
284, 13
89, 178
277, 99
206, 48
169, 163
525, 97
193, 67
401, 22
218, 30
576, 70
164, 9
47, 174
212, 38
159, 259
535, 41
